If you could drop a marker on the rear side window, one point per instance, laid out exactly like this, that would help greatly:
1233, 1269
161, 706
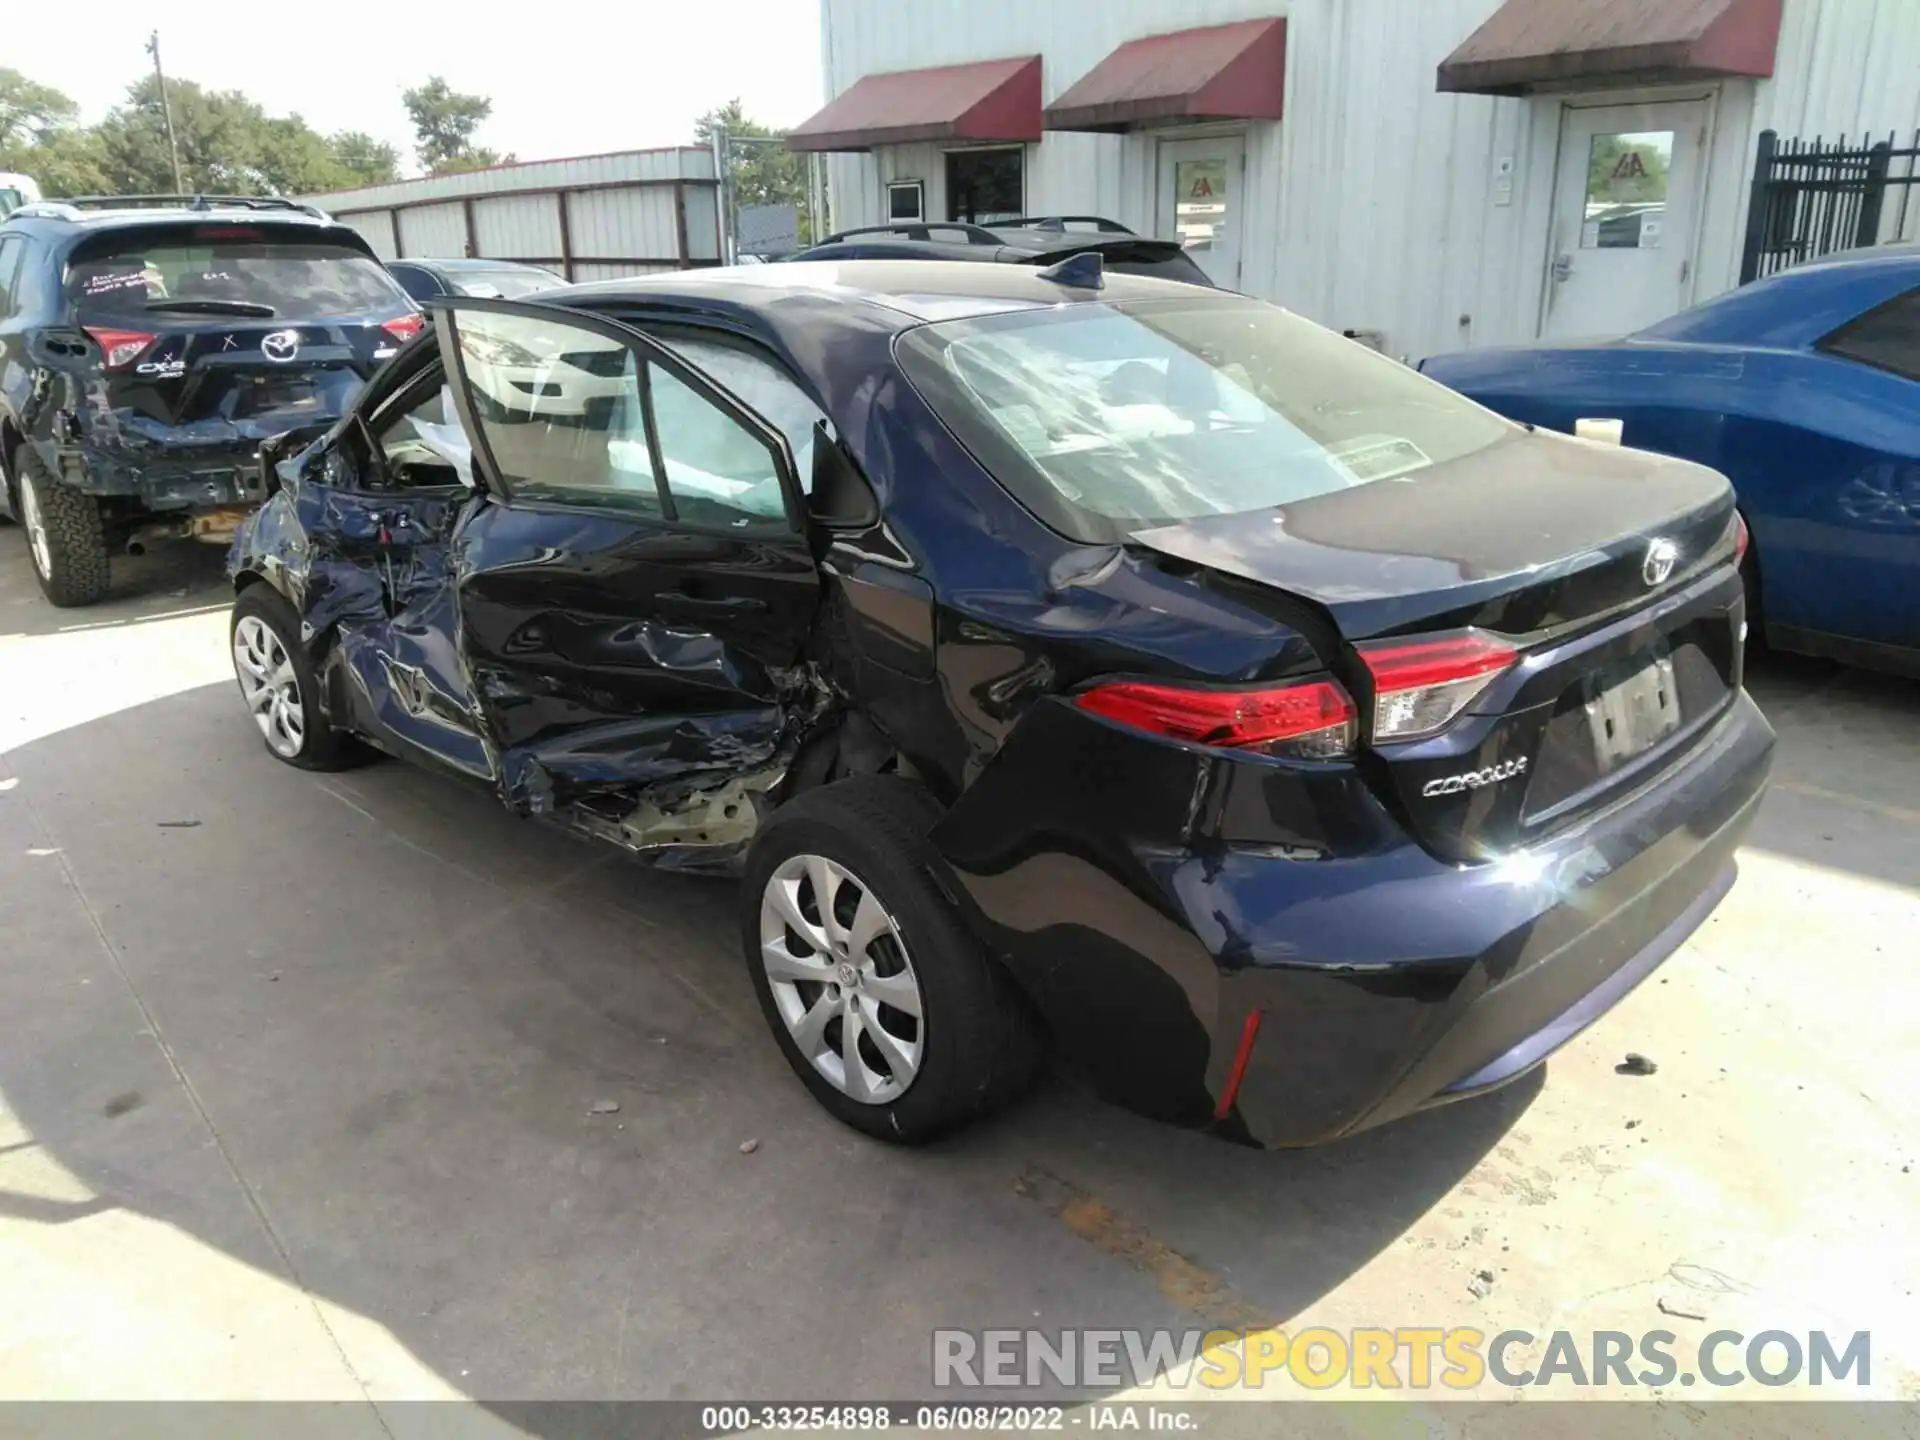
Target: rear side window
227, 269
1887, 338
13, 250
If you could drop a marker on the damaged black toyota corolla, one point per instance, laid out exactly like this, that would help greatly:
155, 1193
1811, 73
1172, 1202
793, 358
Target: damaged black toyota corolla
1102, 663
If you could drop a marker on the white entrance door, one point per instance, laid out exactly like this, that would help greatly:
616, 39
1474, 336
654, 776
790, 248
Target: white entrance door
1201, 200
1625, 209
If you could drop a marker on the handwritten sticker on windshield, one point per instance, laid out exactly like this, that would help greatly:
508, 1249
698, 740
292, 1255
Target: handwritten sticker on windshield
120, 280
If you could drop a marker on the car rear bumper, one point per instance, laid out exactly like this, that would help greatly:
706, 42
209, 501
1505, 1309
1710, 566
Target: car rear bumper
169, 478
1385, 981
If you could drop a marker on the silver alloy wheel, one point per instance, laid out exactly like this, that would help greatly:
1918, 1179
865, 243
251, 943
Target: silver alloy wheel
36, 527
269, 686
842, 979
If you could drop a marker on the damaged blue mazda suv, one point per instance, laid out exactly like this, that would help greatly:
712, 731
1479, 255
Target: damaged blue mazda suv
1065, 661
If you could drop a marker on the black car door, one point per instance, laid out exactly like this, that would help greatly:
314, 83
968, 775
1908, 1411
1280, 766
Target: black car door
636, 592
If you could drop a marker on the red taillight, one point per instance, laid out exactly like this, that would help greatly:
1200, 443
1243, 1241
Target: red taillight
1308, 720
1740, 537
405, 327
1420, 686
119, 347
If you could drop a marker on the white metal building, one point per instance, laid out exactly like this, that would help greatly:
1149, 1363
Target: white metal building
1442, 173
592, 217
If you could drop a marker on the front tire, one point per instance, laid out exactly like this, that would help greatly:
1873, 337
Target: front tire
279, 684
65, 534
877, 993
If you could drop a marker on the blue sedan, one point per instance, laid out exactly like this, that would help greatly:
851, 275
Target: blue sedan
1804, 390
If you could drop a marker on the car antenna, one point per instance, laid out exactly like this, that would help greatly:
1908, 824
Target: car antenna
1083, 271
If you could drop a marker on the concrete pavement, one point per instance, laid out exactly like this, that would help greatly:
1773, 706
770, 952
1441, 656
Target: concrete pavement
297, 1072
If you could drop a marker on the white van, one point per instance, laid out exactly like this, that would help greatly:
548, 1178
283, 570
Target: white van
15, 191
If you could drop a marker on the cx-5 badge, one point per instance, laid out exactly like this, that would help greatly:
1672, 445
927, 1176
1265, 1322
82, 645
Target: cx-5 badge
1475, 779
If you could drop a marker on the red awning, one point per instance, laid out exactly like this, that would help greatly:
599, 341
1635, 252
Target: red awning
989, 100
1218, 72
1535, 44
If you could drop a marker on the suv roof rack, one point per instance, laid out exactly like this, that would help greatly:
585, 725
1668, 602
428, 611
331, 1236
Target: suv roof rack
918, 230
1060, 222
72, 207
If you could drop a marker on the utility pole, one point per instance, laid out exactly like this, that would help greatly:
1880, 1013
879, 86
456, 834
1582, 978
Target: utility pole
166, 110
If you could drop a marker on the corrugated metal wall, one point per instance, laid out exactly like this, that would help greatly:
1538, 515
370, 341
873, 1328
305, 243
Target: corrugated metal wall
524, 225
432, 229
673, 163
632, 223
376, 227
1372, 205
622, 212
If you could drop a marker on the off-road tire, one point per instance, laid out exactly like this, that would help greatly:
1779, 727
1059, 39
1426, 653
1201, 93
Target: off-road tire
77, 567
325, 747
981, 1041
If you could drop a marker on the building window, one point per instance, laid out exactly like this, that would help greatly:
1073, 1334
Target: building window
986, 187
906, 200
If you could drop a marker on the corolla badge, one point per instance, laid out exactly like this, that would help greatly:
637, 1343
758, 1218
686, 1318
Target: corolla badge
1661, 556
281, 345
1475, 779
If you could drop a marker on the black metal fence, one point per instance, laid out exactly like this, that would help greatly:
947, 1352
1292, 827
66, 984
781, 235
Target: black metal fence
1811, 198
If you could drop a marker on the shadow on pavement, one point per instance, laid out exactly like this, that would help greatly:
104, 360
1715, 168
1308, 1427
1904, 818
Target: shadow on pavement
396, 1008
165, 581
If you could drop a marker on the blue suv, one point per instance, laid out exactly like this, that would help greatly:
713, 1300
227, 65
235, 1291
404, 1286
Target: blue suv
150, 344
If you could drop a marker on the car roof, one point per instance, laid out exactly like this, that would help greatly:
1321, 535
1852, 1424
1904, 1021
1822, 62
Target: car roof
912, 291
1792, 310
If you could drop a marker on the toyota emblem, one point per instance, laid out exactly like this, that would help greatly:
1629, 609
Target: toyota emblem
1658, 565
281, 345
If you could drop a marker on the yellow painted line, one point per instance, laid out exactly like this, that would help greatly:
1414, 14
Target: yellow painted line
1858, 802
1188, 1284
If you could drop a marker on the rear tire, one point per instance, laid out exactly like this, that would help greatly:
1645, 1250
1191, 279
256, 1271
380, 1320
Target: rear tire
975, 1043
65, 534
280, 686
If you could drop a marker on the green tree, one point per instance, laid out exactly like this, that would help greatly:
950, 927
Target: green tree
366, 160
30, 111
444, 122
759, 174
41, 136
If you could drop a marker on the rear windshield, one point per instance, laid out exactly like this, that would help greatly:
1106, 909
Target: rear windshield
501, 284
1106, 419
230, 270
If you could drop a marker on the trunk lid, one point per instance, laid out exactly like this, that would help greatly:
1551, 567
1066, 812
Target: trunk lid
1532, 534
1610, 570
251, 374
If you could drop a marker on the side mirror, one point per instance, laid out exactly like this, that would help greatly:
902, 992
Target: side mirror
840, 497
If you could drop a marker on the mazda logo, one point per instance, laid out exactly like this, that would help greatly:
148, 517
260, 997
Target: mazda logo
1658, 565
281, 345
